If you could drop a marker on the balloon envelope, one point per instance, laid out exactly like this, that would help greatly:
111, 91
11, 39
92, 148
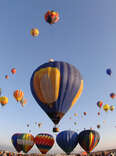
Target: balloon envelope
109, 71
56, 86
15, 143
44, 142
67, 140
88, 139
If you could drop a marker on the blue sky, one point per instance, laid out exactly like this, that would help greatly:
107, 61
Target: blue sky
85, 36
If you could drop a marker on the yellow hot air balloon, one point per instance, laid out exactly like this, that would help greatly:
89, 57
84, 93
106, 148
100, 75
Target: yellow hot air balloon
75, 114
112, 108
106, 107
18, 95
3, 100
34, 32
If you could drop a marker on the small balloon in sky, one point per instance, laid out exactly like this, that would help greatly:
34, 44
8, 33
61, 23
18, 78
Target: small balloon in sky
51, 17
34, 32
13, 70
109, 71
112, 95
6, 77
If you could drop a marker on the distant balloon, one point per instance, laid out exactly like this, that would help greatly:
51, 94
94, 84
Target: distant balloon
27, 125
44, 142
88, 139
23, 102
18, 95
99, 104
6, 77
112, 95
67, 140
39, 125
75, 123
34, 32
98, 113
106, 107
75, 114
85, 113
51, 17
13, 70
112, 108
0, 91
98, 126
70, 118
109, 71
3, 100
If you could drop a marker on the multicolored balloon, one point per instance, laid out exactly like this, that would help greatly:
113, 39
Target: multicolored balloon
34, 32
99, 104
112, 95
51, 17
44, 142
88, 139
56, 86
67, 140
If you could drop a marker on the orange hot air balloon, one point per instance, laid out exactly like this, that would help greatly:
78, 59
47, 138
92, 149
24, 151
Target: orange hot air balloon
23, 102
6, 76
34, 32
18, 95
13, 71
3, 100
112, 95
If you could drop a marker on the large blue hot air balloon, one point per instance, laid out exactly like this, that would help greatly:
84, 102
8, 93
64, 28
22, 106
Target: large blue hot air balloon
14, 140
67, 140
56, 86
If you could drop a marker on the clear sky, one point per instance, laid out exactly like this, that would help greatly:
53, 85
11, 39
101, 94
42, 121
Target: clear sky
85, 36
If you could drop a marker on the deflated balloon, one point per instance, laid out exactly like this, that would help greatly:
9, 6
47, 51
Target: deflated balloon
56, 86
67, 140
44, 142
88, 139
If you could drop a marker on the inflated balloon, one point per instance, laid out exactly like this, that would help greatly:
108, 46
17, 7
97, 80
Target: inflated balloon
13, 70
18, 95
67, 140
26, 141
44, 142
106, 107
39, 125
17, 146
112, 108
34, 32
109, 71
51, 17
98, 113
112, 95
99, 104
56, 86
98, 126
3, 100
6, 77
23, 102
75, 114
85, 113
88, 139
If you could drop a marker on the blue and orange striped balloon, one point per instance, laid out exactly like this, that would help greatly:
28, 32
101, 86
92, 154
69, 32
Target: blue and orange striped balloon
88, 140
56, 86
44, 142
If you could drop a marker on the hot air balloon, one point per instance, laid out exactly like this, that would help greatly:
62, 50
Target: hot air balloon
85, 113
13, 70
51, 17
23, 102
99, 104
27, 125
44, 142
70, 118
3, 100
26, 141
98, 126
106, 107
112, 108
6, 77
98, 113
34, 32
67, 140
39, 125
109, 71
56, 86
88, 139
112, 95
75, 114
18, 95
17, 146
75, 123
